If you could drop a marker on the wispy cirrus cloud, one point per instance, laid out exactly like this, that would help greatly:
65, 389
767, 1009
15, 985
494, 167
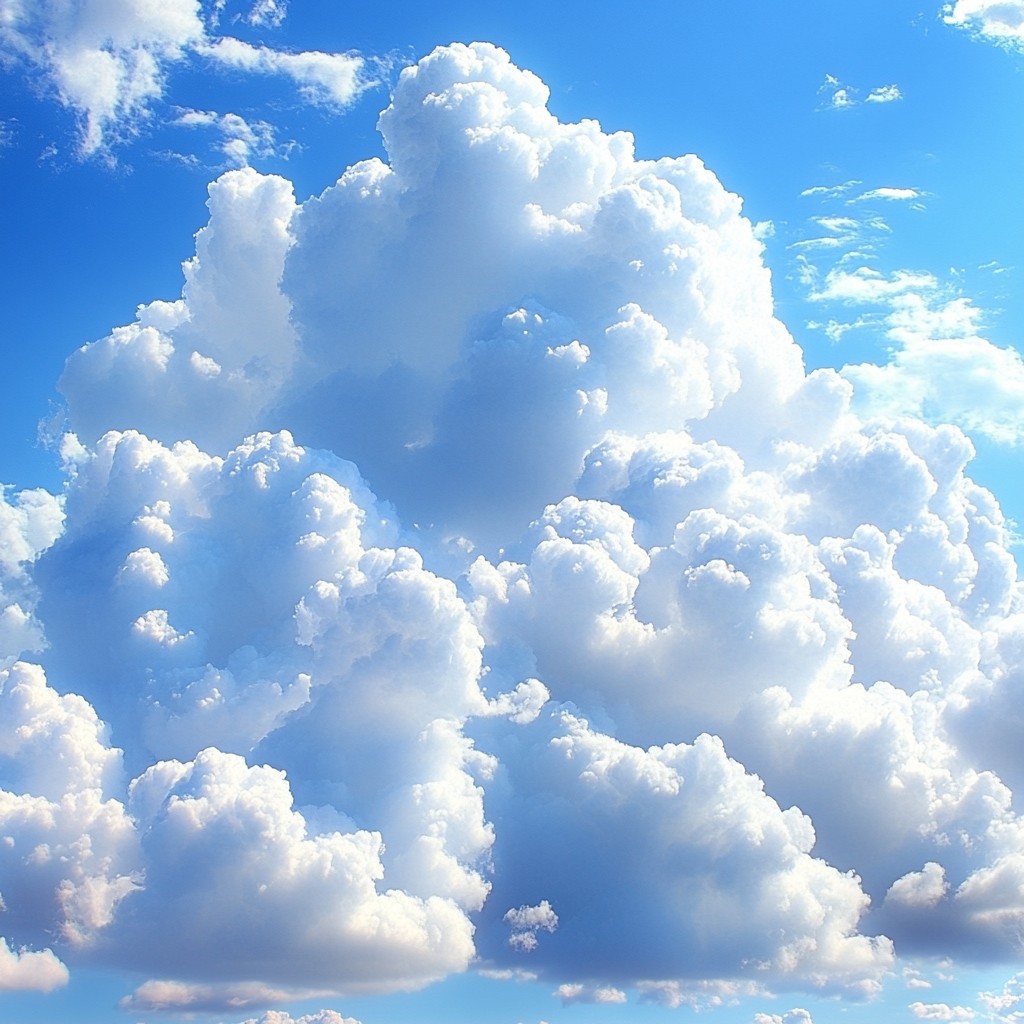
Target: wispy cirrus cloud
940, 366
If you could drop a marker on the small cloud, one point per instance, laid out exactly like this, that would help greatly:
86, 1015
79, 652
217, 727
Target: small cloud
942, 1011
240, 139
158, 996
836, 94
831, 191
507, 974
867, 285
922, 888
283, 1017
884, 94
576, 993
888, 194
839, 96
525, 922
794, 1016
332, 79
698, 995
268, 12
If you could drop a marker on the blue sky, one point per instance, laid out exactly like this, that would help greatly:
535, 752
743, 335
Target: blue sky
488, 564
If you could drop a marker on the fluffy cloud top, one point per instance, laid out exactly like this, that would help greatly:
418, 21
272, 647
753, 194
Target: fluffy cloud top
465, 569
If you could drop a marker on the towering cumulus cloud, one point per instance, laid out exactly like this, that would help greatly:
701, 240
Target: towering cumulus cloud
466, 570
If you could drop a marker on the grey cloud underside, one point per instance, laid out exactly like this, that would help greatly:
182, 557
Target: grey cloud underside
548, 613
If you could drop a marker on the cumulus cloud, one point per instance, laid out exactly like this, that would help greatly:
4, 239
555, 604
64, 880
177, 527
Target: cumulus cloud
884, 94
474, 575
109, 63
29, 970
1001, 22
525, 922
687, 871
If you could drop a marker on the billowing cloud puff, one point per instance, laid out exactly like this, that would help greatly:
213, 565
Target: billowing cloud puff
69, 852
601, 293
308, 906
468, 568
712, 864
339, 659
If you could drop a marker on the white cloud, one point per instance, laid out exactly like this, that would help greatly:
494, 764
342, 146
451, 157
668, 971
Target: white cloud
888, 193
920, 888
1005, 1006
332, 78
884, 94
323, 626
70, 855
839, 96
29, 970
941, 1011
29, 523
109, 62
941, 368
1001, 21
157, 996
830, 191
307, 904
525, 922
668, 880
867, 285
240, 139
698, 995
796, 1016
642, 631
912, 978
577, 993
267, 12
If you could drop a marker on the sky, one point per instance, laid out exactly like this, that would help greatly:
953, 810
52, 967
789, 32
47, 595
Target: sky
510, 512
